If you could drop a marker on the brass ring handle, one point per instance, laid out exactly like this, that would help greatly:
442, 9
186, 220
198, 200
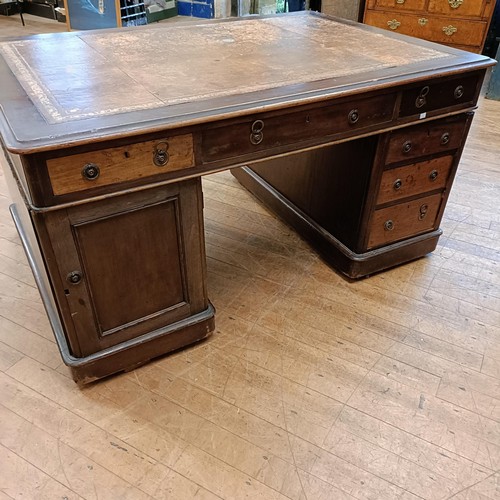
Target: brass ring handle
458, 92
400, 2
74, 277
160, 154
445, 139
257, 134
90, 172
421, 98
423, 211
389, 225
407, 146
397, 184
353, 116
433, 175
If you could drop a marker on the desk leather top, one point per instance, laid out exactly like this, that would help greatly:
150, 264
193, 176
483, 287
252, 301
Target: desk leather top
82, 86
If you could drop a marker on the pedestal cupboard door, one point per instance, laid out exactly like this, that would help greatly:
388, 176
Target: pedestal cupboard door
129, 265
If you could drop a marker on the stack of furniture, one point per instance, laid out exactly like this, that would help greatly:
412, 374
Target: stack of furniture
462, 24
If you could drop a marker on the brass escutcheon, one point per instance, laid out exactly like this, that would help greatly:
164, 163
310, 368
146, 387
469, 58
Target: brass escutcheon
449, 30
455, 4
394, 24
423, 21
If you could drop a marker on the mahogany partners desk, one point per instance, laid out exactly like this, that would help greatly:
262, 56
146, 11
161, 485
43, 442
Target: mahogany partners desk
353, 136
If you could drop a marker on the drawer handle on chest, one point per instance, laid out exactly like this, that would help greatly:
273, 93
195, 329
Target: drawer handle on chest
445, 138
433, 175
455, 4
459, 92
74, 277
389, 225
394, 24
90, 172
353, 116
400, 2
160, 154
397, 184
406, 147
449, 30
423, 21
421, 98
423, 211
257, 136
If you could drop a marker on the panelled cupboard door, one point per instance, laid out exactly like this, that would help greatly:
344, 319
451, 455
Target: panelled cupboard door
128, 265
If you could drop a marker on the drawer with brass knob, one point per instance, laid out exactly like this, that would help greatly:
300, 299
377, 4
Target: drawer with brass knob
403, 220
428, 138
314, 124
414, 179
82, 171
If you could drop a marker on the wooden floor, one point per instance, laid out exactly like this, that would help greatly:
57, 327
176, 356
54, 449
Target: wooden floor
312, 387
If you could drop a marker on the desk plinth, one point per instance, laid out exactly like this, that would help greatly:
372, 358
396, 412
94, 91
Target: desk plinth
104, 149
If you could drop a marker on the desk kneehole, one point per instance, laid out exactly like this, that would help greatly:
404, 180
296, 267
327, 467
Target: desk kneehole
92, 169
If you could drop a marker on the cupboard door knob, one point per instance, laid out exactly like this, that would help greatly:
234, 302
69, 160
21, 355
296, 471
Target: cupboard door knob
445, 138
257, 134
353, 116
407, 146
160, 154
90, 172
433, 175
397, 184
389, 225
74, 277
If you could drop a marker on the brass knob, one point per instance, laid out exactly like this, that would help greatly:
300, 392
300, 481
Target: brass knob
74, 277
353, 116
397, 184
433, 175
407, 146
90, 172
160, 154
257, 134
445, 138
389, 225
459, 92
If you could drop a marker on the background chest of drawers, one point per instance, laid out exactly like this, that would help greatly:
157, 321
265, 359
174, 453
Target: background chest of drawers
461, 24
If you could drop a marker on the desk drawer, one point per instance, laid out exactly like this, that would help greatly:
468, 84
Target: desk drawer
423, 98
403, 220
428, 138
82, 171
396, 5
317, 124
410, 180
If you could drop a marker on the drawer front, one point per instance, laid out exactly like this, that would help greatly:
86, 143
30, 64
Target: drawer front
456, 91
410, 180
425, 139
428, 27
403, 220
272, 131
458, 8
82, 171
397, 5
